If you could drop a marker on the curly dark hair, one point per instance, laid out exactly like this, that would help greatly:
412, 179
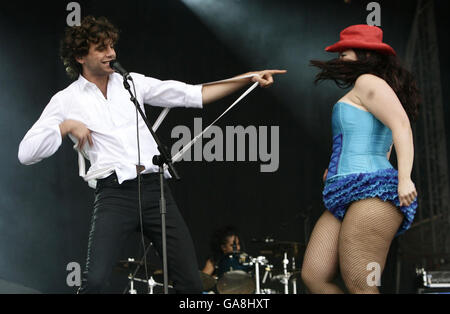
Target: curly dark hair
77, 40
387, 67
219, 238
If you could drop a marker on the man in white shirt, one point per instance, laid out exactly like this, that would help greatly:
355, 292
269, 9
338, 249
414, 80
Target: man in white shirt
96, 112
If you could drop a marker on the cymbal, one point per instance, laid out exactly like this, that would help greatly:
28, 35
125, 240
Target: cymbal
280, 277
236, 282
291, 275
271, 241
277, 248
208, 281
131, 265
297, 274
286, 244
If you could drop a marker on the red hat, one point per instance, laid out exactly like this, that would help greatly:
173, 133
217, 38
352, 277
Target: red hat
361, 36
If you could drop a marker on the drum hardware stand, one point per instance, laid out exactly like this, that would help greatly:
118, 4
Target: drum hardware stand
132, 290
267, 272
285, 280
132, 276
294, 281
260, 260
151, 284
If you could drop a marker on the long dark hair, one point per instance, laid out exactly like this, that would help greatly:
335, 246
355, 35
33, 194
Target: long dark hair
387, 67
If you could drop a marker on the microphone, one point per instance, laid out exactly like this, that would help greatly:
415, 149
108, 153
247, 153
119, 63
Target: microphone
115, 65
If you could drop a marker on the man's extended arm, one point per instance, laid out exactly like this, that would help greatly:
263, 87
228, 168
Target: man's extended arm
213, 92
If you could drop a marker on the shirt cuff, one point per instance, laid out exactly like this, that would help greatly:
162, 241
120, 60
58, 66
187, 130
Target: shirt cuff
194, 96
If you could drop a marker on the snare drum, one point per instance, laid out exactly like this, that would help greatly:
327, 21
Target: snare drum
236, 282
234, 275
232, 262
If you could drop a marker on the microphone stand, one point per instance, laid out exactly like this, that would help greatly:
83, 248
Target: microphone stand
159, 160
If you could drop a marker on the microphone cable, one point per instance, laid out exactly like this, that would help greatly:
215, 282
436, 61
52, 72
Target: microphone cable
139, 192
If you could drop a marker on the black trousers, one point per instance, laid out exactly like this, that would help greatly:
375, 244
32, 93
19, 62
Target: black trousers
116, 216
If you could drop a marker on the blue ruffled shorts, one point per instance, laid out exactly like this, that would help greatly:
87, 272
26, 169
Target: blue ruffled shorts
340, 192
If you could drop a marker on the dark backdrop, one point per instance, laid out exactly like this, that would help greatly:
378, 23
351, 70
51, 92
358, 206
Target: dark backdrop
45, 209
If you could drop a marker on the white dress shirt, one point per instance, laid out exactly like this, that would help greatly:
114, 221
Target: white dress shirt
111, 120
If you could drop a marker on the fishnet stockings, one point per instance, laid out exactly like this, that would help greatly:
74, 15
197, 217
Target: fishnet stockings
321, 257
363, 237
366, 235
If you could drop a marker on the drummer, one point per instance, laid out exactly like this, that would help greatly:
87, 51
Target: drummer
226, 253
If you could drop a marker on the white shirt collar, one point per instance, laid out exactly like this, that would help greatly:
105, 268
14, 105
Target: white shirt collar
83, 82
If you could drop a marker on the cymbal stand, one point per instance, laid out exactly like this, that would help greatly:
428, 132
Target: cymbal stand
131, 290
294, 281
285, 280
260, 260
151, 283
132, 275
131, 278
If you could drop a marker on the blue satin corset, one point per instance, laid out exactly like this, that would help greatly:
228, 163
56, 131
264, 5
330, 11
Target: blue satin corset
360, 142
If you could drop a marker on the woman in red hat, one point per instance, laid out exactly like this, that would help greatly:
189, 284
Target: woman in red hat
368, 202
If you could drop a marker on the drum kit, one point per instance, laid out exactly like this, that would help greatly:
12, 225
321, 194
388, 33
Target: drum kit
259, 275
275, 272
